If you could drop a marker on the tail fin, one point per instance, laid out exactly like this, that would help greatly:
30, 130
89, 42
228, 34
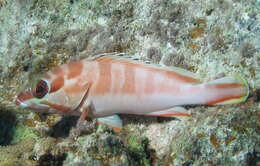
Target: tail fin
227, 90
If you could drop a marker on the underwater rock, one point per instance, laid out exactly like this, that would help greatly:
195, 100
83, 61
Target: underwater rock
18, 154
108, 149
48, 159
220, 141
154, 54
220, 37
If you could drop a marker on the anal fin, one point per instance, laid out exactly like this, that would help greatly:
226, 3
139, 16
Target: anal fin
171, 112
113, 121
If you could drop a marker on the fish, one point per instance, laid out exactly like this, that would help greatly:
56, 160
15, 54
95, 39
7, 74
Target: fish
107, 85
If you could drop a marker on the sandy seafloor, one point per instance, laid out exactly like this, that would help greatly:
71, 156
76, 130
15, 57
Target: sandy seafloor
212, 38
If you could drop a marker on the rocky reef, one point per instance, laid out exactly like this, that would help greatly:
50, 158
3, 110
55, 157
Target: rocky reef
211, 38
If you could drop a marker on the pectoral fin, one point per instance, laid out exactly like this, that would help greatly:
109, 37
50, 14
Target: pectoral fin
113, 121
87, 86
172, 112
84, 114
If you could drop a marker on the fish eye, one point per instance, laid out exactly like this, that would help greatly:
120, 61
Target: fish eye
41, 89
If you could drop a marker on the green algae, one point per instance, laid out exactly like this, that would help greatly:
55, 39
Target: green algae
18, 154
23, 132
137, 148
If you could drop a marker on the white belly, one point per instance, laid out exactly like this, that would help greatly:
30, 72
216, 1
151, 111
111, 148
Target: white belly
131, 104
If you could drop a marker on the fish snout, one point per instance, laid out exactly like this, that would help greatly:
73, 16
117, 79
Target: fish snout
23, 100
20, 102
17, 101
23, 97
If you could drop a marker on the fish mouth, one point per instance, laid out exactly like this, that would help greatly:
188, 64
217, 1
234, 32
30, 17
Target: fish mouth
33, 107
20, 103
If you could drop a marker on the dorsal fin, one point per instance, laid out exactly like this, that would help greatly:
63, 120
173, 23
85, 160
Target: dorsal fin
122, 57
114, 54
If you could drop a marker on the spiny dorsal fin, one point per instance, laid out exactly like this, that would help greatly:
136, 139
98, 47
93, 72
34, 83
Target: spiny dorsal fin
121, 56
96, 57
135, 60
